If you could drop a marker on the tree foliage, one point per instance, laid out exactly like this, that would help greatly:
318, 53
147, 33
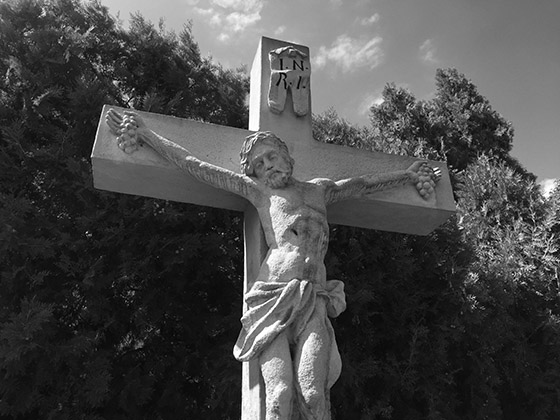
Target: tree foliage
117, 307
457, 125
463, 323
89, 326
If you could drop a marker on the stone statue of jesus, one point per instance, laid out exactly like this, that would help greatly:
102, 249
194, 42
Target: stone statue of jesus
286, 326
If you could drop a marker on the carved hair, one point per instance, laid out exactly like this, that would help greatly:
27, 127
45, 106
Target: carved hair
261, 137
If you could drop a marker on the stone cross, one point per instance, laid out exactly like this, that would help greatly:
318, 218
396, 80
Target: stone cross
280, 102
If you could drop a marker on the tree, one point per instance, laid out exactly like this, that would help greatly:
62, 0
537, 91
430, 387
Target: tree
457, 125
90, 327
403, 125
462, 323
330, 128
511, 295
554, 201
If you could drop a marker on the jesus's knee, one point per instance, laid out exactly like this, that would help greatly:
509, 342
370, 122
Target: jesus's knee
278, 401
279, 393
316, 402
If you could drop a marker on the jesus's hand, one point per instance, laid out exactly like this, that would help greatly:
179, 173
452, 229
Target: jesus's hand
424, 177
126, 129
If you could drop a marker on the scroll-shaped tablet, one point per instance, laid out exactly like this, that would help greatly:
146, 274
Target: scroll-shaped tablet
289, 69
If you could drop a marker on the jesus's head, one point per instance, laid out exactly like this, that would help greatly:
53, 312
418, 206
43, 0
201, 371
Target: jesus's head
266, 157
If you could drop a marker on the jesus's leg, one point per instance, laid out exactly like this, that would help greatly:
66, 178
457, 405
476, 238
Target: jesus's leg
317, 367
276, 369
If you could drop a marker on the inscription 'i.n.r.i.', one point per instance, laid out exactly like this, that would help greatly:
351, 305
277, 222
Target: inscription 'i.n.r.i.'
283, 78
295, 64
290, 71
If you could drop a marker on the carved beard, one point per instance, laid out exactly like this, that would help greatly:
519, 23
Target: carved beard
277, 179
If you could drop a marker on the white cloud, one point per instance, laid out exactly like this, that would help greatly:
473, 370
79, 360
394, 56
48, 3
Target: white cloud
216, 20
203, 12
349, 53
428, 51
211, 16
231, 16
373, 98
547, 185
280, 30
223, 37
370, 20
239, 5
239, 21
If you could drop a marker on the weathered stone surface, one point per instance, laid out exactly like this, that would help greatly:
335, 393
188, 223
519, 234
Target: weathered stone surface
145, 173
288, 295
290, 71
148, 174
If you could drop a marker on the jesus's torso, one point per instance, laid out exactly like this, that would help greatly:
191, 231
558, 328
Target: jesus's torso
294, 221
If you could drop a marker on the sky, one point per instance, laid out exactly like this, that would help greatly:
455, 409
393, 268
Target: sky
510, 49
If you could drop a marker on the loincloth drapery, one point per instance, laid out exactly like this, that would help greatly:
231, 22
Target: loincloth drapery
275, 306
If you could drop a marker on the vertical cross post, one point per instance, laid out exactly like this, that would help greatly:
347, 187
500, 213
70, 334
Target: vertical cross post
271, 89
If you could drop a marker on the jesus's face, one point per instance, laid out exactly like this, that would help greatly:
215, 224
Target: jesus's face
270, 165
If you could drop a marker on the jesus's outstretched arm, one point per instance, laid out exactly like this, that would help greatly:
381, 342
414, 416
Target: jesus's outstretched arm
131, 131
420, 174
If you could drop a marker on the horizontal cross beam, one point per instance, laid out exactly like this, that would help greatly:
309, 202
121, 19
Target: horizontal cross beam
147, 174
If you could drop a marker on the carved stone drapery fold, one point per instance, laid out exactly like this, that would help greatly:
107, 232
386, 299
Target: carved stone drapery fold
290, 70
275, 306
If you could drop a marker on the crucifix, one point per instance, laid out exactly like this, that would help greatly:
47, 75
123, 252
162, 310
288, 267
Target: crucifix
287, 343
